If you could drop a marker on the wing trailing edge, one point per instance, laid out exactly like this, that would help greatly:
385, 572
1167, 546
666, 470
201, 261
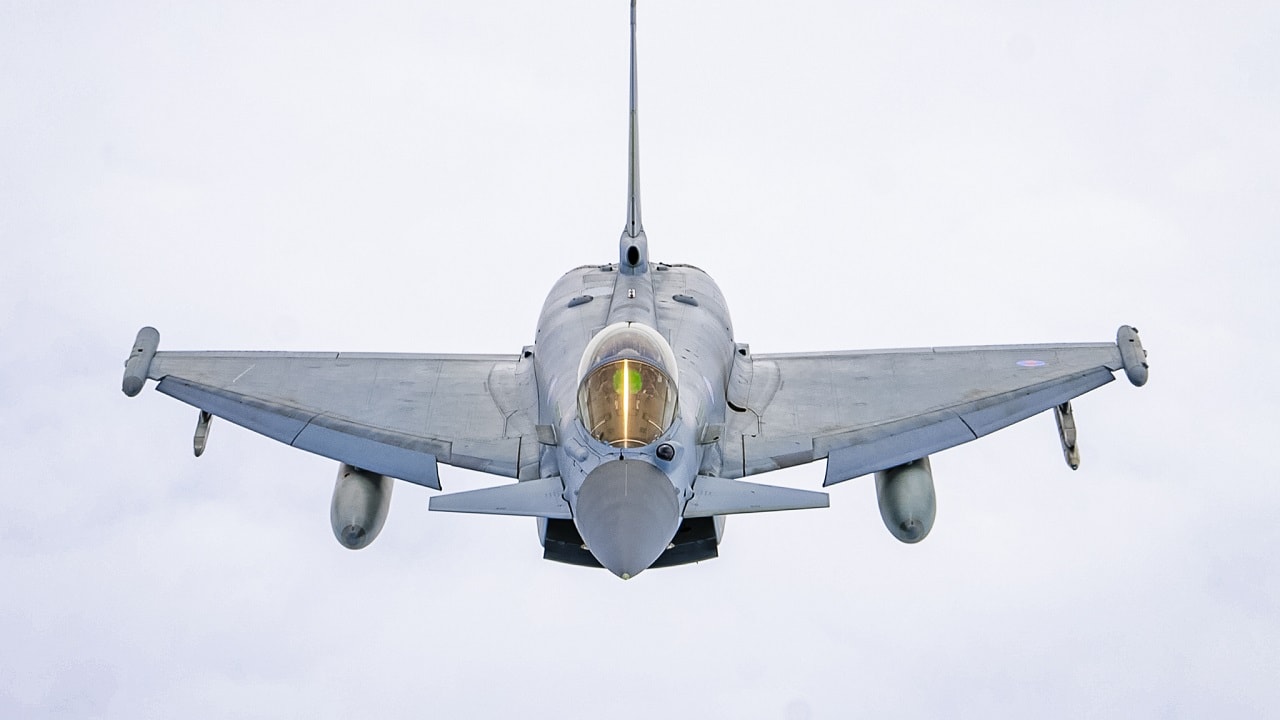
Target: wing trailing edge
386, 453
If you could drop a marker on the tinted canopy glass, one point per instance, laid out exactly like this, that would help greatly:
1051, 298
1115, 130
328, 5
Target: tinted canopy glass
627, 403
627, 395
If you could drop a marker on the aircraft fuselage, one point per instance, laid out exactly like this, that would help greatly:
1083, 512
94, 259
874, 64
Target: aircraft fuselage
685, 306
634, 419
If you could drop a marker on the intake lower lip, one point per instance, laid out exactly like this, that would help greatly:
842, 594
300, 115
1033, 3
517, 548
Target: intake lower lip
627, 512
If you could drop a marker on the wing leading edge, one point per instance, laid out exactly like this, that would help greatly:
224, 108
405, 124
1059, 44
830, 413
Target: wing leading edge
393, 414
866, 411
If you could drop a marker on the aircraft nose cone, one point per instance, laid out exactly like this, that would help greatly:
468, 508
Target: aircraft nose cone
627, 512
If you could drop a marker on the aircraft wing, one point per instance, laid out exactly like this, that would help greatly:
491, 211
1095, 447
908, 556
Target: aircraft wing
866, 411
393, 414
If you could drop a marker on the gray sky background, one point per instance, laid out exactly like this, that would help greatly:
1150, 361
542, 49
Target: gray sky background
415, 176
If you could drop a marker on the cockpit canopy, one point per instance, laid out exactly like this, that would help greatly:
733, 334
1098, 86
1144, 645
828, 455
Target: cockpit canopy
627, 386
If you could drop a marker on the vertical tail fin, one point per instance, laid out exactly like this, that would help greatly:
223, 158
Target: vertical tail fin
633, 247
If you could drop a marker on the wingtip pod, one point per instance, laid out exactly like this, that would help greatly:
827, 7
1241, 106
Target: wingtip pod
1132, 355
138, 365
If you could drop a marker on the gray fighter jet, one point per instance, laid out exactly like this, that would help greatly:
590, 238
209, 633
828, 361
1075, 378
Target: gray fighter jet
632, 420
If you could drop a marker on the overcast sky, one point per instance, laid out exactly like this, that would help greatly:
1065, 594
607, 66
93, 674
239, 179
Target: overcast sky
415, 176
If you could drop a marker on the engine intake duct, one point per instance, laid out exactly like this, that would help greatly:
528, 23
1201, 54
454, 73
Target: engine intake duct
696, 540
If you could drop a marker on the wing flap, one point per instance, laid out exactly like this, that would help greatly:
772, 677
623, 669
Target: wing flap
854, 456
278, 423
366, 448
394, 414
870, 410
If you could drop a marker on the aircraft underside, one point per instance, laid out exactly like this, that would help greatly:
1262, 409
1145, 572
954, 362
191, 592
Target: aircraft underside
696, 540
631, 424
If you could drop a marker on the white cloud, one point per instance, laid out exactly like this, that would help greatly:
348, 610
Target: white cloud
414, 178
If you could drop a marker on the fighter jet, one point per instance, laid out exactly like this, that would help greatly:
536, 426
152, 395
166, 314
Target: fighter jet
632, 420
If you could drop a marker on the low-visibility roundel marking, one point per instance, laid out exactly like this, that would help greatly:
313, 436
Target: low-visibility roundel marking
1031, 363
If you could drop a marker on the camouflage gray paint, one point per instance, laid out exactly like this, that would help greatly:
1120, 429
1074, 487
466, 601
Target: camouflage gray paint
644, 503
